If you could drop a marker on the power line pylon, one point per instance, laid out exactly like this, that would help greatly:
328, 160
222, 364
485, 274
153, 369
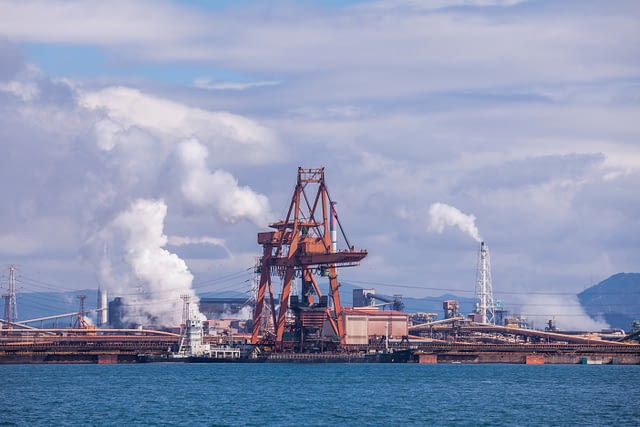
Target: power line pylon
267, 321
10, 304
484, 292
302, 247
81, 321
186, 315
186, 308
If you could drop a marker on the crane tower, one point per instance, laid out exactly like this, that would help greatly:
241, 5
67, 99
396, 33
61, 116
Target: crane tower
485, 306
304, 246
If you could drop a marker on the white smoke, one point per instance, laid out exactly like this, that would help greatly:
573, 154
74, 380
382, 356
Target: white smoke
245, 313
566, 310
151, 279
234, 138
150, 151
207, 240
442, 215
204, 240
96, 152
218, 190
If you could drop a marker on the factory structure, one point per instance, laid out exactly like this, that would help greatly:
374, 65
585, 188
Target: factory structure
303, 245
303, 253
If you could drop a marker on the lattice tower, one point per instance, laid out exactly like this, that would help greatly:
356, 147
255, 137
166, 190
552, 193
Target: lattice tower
484, 292
10, 304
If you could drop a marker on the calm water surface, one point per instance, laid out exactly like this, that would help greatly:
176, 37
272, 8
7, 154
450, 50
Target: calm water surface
313, 395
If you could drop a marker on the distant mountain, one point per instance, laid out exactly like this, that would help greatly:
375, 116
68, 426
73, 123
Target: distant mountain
616, 300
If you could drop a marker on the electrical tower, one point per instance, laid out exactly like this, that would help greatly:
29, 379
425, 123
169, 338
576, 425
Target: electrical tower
81, 321
303, 246
267, 321
186, 315
186, 309
10, 305
484, 293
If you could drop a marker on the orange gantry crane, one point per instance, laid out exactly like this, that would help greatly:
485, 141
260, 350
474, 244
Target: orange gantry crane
304, 246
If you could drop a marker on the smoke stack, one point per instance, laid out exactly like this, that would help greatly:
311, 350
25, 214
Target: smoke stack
102, 308
333, 228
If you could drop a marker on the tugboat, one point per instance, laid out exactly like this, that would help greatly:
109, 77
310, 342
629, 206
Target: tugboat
191, 348
390, 356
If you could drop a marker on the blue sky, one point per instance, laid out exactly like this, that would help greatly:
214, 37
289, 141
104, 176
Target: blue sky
195, 116
80, 60
77, 61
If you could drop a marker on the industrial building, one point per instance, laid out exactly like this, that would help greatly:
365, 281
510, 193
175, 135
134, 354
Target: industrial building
300, 323
369, 298
371, 326
304, 245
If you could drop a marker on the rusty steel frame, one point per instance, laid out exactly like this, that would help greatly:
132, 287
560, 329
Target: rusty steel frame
301, 246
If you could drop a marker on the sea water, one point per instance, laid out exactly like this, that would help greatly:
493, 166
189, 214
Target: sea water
319, 395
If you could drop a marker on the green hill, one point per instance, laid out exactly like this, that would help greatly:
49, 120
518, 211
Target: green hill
616, 300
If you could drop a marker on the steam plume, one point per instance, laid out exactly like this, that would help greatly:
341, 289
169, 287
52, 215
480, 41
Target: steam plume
442, 215
205, 240
151, 278
218, 190
567, 311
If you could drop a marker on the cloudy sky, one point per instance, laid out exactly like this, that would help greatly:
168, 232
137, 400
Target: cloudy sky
148, 142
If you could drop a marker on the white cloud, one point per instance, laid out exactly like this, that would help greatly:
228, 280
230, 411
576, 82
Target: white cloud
440, 4
229, 134
207, 83
26, 91
520, 113
403, 47
95, 22
17, 244
184, 240
108, 134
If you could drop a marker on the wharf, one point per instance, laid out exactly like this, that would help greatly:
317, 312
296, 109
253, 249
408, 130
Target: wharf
117, 346
80, 346
529, 353
130, 352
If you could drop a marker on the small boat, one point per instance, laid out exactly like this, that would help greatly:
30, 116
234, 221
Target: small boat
390, 356
193, 350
